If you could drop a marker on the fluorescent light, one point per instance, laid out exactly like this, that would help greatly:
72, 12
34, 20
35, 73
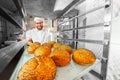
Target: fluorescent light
61, 4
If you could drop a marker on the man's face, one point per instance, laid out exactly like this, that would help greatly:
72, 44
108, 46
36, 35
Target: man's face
39, 24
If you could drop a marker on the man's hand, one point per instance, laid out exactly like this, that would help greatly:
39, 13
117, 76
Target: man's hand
30, 41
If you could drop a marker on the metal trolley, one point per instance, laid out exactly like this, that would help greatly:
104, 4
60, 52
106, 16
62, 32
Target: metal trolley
89, 28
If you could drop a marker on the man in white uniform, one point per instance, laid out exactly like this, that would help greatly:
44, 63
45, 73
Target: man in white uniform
37, 34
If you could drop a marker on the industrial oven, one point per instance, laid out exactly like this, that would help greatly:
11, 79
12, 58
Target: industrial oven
82, 24
85, 25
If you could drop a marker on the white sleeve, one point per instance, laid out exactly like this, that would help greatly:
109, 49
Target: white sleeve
47, 35
28, 35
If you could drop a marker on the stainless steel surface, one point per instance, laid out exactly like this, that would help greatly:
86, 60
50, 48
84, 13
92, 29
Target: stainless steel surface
87, 12
44, 8
79, 2
107, 19
87, 26
95, 74
10, 12
88, 33
8, 53
8, 4
9, 18
40, 8
88, 41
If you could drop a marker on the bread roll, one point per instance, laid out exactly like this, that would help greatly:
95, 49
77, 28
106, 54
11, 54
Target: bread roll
43, 50
83, 57
60, 57
52, 43
33, 47
47, 45
67, 48
57, 45
38, 68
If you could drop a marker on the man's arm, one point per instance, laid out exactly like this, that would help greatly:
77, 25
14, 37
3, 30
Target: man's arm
29, 40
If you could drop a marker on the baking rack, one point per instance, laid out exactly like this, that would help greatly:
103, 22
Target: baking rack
95, 36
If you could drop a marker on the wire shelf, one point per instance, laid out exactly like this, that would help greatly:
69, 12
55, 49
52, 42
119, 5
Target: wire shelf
72, 71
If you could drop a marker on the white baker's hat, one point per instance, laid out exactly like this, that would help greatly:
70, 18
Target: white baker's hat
37, 19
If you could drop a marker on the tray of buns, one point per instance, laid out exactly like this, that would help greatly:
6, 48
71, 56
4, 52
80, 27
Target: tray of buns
71, 71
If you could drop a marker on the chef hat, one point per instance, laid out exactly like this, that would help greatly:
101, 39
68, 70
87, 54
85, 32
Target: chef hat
37, 19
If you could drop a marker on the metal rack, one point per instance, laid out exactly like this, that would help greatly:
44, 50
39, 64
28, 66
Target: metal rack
9, 18
69, 72
100, 46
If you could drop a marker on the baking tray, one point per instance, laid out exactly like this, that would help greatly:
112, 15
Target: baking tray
72, 71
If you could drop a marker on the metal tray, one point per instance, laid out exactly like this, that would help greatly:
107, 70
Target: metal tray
72, 71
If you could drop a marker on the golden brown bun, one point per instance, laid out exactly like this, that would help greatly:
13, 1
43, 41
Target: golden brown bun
33, 47
38, 68
47, 45
67, 48
57, 45
83, 57
52, 43
43, 50
60, 57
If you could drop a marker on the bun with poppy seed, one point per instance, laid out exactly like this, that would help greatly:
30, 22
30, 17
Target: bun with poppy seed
38, 68
33, 47
60, 57
83, 57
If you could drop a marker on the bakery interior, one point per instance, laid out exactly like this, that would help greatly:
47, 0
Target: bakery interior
89, 24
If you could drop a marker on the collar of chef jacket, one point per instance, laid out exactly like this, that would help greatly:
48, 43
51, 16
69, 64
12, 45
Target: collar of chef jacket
39, 35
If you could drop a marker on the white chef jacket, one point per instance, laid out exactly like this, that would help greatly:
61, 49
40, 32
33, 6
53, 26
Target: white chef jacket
41, 36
